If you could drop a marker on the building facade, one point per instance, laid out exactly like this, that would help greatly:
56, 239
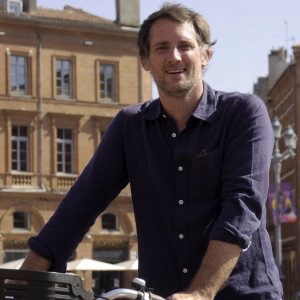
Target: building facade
281, 92
64, 74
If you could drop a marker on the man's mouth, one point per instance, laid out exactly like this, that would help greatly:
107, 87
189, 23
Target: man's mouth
177, 71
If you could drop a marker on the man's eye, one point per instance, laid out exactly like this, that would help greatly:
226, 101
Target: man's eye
186, 47
160, 48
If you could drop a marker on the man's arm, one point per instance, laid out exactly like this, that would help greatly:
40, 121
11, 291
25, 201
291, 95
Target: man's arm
215, 269
36, 262
99, 183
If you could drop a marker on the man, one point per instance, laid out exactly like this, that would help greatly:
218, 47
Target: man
197, 161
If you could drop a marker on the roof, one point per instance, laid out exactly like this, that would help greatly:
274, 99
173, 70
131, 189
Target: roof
70, 13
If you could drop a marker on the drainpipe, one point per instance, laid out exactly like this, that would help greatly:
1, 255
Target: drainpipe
40, 115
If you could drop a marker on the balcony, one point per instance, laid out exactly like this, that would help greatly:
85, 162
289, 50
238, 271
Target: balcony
65, 181
60, 182
26, 180
21, 180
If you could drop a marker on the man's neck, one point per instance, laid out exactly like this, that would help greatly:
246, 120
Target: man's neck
180, 109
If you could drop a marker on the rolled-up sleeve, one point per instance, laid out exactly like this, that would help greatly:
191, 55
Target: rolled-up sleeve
245, 173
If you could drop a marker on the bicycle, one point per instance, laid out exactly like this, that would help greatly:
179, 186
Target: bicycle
33, 285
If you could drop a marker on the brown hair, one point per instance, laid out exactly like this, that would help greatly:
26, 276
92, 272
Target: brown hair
177, 13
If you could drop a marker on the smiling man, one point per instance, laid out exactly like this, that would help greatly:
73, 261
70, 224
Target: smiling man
197, 160
175, 60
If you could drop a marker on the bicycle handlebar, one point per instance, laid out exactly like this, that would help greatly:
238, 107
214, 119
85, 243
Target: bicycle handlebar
129, 294
122, 293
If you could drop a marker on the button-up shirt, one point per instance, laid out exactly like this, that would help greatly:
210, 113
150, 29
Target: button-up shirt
207, 182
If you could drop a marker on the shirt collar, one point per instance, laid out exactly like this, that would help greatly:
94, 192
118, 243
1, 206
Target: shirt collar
207, 104
205, 109
152, 109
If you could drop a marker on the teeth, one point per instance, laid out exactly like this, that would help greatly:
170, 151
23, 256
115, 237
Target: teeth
175, 71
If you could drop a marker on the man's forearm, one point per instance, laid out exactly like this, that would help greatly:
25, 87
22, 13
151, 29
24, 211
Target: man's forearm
36, 262
215, 269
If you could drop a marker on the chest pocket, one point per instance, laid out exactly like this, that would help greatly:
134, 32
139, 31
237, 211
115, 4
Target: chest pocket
206, 173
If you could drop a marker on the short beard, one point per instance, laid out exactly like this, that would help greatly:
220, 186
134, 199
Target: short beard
178, 92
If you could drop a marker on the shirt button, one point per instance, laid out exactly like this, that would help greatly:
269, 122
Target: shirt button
180, 168
180, 202
185, 270
181, 236
174, 135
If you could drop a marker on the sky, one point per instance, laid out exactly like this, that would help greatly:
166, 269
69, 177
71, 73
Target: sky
245, 30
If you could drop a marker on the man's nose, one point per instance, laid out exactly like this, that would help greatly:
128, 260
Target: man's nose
175, 54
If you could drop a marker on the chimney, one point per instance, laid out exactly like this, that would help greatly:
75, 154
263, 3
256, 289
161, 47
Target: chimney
128, 13
277, 65
29, 6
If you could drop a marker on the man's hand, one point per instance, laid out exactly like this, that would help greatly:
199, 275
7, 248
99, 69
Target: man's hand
189, 296
32, 262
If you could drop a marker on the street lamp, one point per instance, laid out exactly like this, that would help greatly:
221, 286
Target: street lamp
290, 141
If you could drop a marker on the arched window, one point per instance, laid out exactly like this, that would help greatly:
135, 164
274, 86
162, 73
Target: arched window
21, 220
109, 222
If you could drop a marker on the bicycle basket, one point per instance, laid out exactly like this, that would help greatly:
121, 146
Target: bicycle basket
34, 285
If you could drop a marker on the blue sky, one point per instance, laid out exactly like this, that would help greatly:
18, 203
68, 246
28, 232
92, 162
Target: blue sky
245, 30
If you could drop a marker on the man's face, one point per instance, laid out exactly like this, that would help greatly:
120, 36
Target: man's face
175, 58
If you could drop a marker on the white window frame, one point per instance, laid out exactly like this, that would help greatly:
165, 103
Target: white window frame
64, 89
64, 143
108, 91
20, 72
19, 139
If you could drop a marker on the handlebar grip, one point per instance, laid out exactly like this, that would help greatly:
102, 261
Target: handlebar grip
129, 294
120, 293
155, 297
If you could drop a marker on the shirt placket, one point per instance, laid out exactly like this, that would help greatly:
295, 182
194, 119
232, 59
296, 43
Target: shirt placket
178, 142
181, 233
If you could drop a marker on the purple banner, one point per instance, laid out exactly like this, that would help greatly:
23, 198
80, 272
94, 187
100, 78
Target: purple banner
287, 203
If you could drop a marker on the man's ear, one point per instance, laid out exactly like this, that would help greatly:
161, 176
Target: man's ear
206, 56
145, 63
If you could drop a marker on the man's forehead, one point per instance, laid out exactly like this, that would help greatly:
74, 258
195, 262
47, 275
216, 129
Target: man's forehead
164, 30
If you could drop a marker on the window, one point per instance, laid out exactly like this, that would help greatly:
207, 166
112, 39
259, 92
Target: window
21, 220
18, 75
14, 254
108, 83
64, 78
14, 8
65, 129
109, 222
64, 150
19, 149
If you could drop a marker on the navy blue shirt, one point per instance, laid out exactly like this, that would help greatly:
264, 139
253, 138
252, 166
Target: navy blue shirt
208, 182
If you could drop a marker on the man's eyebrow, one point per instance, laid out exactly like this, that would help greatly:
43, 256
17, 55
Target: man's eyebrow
160, 44
179, 42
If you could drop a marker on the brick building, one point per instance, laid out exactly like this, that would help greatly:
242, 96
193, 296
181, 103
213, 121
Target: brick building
63, 77
281, 92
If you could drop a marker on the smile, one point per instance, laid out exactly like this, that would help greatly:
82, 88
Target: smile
179, 71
